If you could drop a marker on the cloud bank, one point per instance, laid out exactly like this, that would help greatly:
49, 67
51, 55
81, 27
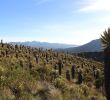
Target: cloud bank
96, 5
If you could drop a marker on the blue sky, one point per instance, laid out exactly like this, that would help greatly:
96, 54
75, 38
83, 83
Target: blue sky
61, 21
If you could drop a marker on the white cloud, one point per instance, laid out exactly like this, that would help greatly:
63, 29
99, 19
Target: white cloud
96, 5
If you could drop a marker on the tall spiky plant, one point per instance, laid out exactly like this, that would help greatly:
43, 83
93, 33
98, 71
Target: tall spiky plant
105, 39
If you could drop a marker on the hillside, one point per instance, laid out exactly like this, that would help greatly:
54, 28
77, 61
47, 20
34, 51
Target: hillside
36, 74
93, 46
45, 45
98, 56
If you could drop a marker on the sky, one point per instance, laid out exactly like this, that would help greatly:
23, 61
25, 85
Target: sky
54, 21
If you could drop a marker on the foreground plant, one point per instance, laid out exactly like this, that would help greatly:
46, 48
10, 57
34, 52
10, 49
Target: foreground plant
105, 39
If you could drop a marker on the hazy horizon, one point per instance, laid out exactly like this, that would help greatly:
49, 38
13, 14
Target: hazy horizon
46, 42
55, 21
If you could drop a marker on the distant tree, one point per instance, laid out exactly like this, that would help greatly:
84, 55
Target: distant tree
30, 66
37, 59
73, 72
2, 43
21, 63
55, 67
16, 46
80, 77
60, 66
105, 39
97, 73
68, 75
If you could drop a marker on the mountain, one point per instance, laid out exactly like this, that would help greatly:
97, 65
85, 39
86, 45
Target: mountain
93, 46
44, 44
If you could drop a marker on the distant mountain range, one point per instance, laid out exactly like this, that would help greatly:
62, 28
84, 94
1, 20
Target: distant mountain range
93, 46
45, 45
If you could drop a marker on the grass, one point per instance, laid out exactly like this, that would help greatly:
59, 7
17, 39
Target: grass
21, 78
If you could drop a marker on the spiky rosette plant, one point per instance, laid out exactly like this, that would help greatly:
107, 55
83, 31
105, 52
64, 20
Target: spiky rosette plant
105, 39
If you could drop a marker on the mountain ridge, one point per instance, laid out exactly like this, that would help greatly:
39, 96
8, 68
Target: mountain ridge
92, 46
46, 45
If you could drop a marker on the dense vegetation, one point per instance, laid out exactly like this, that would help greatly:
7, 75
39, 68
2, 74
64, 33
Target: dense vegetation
98, 56
35, 74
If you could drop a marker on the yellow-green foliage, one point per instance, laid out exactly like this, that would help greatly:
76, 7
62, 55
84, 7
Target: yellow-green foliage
22, 78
